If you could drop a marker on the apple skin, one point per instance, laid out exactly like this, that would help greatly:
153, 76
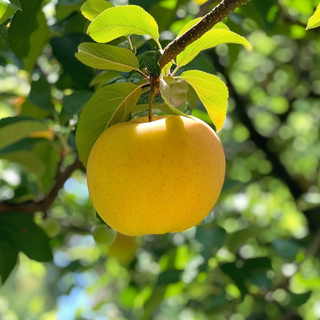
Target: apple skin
156, 177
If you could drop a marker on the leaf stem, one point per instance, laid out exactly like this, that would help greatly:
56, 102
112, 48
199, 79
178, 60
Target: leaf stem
217, 14
142, 73
158, 43
130, 43
174, 71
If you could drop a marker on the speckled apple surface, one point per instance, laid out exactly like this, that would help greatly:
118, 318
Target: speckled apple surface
156, 177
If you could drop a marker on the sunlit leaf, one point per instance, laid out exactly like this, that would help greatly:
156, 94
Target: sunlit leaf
8, 8
314, 21
107, 57
108, 106
193, 22
219, 34
123, 21
212, 92
174, 91
92, 8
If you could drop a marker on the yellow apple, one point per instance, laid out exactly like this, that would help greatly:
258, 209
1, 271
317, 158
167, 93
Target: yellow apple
156, 177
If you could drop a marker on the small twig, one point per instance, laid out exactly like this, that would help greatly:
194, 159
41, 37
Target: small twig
43, 206
217, 14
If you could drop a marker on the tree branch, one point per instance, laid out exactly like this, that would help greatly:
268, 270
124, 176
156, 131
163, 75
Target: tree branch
217, 14
43, 205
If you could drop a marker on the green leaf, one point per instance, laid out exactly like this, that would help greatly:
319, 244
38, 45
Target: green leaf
37, 40
212, 241
92, 8
150, 61
314, 21
42, 160
212, 92
193, 22
7, 9
219, 34
173, 91
24, 144
108, 106
24, 23
296, 300
40, 94
123, 21
74, 103
3, 36
8, 257
169, 276
107, 57
103, 77
26, 235
64, 49
13, 129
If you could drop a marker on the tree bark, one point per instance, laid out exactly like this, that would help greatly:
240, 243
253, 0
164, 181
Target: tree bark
217, 14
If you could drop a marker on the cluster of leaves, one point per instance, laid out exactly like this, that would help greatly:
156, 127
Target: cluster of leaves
116, 103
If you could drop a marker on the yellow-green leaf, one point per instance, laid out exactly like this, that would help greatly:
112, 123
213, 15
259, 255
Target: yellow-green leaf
314, 21
107, 57
123, 21
219, 34
92, 8
109, 105
8, 8
212, 92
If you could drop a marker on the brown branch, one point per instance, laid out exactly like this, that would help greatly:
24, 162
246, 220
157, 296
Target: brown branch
43, 205
217, 14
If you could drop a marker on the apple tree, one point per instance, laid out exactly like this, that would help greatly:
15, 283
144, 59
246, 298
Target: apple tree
70, 69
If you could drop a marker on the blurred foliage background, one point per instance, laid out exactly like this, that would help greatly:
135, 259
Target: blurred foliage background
255, 256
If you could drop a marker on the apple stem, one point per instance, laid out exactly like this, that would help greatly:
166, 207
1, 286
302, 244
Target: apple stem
152, 93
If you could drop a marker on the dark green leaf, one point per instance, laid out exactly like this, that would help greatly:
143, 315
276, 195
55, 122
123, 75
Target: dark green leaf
296, 300
3, 36
287, 249
40, 94
26, 235
23, 24
37, 40
74, 103
237, 275
214, 303
212, 241
64, 49
149, 60
8, 257
169, 276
